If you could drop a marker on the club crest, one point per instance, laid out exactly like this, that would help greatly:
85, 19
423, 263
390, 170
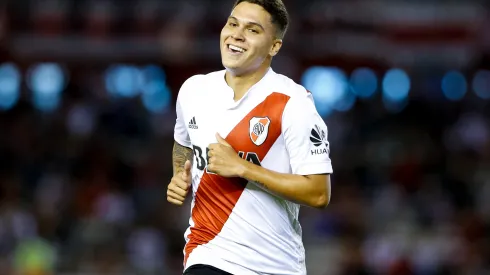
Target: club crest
259, 128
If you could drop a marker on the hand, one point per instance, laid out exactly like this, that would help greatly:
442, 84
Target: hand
223, 159
180, 185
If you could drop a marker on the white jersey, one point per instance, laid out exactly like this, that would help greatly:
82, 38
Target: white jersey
236, 225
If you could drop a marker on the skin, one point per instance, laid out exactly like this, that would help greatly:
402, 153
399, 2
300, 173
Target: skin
181, 181
249, 27
309, 190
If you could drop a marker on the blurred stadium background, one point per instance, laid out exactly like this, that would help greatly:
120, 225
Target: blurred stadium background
87, 92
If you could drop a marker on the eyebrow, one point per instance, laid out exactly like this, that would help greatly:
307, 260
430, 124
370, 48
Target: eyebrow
248, 23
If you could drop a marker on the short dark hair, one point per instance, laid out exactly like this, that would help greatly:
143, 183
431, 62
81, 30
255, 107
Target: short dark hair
277, 10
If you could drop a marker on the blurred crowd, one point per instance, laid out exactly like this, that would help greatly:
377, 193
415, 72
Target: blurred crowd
85, 191
410, 193
83, 188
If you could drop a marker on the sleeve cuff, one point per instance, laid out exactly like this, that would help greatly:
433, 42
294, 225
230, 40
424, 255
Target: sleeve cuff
311, 168
183, 142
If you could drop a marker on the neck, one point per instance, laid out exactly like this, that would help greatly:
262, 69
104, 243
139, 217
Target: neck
241, 83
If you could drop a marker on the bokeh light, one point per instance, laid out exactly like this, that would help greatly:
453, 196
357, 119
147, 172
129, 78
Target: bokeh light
156, 95
364, 82
454, 85
345, 103
328, 85
481, 84
396, 85
10, 79
123, 80
46, 81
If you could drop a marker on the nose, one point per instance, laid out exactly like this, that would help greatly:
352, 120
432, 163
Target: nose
238, 35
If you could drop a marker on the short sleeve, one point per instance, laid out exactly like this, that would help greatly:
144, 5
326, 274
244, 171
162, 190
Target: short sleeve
181, 134
306, 137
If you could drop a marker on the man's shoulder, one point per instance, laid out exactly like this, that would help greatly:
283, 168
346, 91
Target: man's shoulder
285, 85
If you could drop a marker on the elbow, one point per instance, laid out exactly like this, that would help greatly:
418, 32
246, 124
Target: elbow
321, 201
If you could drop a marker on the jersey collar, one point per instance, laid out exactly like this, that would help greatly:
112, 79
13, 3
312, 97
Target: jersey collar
230, 93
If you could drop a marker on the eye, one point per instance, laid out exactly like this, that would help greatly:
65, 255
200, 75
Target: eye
253, 30
231, 24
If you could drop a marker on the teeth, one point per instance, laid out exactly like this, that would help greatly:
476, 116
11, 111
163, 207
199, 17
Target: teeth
235, 48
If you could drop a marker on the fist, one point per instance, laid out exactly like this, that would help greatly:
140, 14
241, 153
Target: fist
223, 159
179, 185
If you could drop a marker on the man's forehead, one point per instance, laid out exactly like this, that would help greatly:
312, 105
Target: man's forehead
248, 12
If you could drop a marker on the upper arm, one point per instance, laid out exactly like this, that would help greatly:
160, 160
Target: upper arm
306, 137
181, 133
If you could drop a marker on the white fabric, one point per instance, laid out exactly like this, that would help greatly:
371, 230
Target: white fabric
262, 234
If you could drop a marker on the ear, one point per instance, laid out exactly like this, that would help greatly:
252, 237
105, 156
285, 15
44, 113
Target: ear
276, 46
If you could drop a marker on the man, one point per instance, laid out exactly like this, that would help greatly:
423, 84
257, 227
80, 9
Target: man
259, 150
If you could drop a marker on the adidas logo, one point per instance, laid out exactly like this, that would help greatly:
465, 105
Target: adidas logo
192, 123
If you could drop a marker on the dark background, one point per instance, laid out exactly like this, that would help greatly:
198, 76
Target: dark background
87, 92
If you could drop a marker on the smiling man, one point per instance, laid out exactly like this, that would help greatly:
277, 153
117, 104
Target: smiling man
251, 147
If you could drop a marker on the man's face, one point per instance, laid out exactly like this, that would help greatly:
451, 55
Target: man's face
247, 38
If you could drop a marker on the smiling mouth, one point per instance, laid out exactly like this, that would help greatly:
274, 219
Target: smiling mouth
235, 49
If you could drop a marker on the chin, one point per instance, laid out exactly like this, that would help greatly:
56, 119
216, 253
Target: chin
233, 66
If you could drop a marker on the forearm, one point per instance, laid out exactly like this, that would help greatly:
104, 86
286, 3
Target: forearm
179, 156
312, 190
